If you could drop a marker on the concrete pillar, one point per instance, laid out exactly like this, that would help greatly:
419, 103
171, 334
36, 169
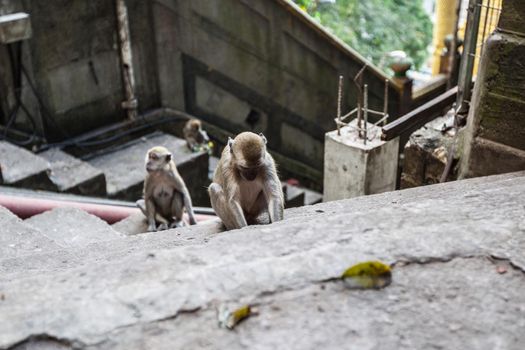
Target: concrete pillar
353, 169
495, 133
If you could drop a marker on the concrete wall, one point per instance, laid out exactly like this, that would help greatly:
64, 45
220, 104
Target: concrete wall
238, 60
237, 64
73, 59
495, 138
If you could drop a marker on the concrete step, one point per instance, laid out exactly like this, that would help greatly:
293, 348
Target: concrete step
455, 247
114, 250
311, 197
72, 227
204, 232
293, 196
21, 168
72, 175
19, 239
124, 167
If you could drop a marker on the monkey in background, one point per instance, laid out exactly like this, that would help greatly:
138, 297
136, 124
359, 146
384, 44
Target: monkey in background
194, 135
165, 193
245, 188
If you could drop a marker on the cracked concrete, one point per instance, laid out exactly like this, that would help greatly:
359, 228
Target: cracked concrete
448, 294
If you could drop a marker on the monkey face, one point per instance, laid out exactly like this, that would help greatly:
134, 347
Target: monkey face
156, 161
248, 174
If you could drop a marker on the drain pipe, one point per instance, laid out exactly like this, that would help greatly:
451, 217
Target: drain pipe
131, 103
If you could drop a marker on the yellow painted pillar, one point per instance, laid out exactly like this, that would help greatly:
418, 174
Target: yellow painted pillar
489, 16
445, 20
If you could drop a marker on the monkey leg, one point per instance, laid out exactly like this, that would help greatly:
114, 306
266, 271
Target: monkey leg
258, 214
159, 220
230, 213
177, 209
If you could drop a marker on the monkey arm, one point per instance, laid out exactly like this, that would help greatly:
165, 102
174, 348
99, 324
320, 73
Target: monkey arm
274, 197
150, 211
237, 214
189, 206
180, 186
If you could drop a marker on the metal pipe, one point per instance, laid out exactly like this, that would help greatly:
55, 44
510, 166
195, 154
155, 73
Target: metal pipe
25, 207
467, 59
131, 103
365, 112
385, 103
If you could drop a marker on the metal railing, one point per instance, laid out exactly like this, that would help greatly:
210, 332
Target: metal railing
482, 17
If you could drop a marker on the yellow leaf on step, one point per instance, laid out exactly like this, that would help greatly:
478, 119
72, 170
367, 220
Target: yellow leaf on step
368, 275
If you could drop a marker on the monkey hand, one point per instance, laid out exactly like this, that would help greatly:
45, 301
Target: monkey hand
162, 227
152, 228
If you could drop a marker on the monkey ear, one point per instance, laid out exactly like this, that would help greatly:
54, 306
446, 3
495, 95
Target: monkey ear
263, 137
168, 157
230, 144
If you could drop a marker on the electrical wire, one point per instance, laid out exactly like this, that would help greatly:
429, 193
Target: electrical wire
17, 83
113, 137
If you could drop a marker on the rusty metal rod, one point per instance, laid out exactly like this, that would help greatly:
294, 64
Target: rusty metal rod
130, 104
339, 98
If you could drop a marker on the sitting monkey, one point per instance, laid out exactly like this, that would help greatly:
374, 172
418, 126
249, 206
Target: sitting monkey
245, 188
165, 193
196, 138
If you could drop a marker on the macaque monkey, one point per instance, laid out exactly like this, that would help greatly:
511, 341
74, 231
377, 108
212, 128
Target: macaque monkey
245, 188
194, 134
165, 193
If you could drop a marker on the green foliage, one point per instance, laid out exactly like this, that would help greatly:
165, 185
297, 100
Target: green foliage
376, 27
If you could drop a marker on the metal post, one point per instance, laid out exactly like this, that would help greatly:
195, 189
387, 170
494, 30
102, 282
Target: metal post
339, 98
365, 110
469, 53
385, 103
130, 104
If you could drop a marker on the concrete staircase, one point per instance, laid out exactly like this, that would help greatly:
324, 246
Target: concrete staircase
115, 172
118, 172
69, 281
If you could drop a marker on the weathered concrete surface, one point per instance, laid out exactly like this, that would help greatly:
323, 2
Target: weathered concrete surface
445, 293
22, 168
64, 259
18, 239
72, 175
495, 138
414, 313
72, 227
124, 167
